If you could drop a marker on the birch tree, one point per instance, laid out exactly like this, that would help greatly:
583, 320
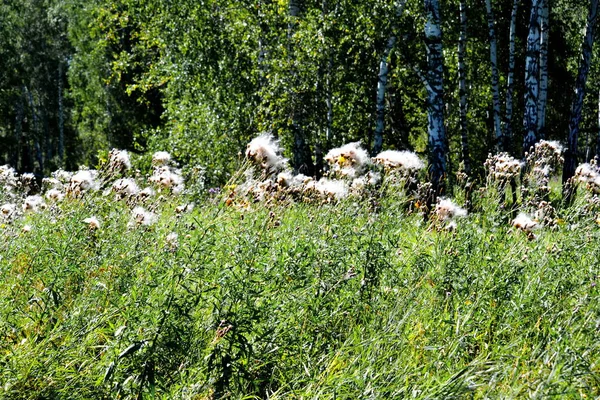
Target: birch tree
584, 67
435, 104
510, 79
302, 158
543, 95
462, 87
495, 78
531, 77
382, 82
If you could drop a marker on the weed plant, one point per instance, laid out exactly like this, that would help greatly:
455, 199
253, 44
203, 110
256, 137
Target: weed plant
358, 298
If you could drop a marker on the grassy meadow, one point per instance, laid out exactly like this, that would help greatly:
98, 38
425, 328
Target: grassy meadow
360, 297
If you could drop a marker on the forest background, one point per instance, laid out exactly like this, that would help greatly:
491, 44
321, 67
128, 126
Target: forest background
200, 78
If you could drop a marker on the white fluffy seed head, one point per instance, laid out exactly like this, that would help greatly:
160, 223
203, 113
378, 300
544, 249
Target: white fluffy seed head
161, 158
265, 151
33, 203
446, 209
119, 159
393, 159
54, 195
524, 223
126, 186
143, 217
92, 222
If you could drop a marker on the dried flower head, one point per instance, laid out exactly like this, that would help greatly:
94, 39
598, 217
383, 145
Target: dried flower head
265, 152
92, 222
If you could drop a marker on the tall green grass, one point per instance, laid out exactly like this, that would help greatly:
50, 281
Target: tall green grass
358, 299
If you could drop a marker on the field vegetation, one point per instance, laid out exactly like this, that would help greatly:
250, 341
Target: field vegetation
111, 293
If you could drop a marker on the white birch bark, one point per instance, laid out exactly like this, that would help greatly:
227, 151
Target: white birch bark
435, 104
495, 77
510, 76
584, 67
543, 96
462, 87
531, 77
382, 84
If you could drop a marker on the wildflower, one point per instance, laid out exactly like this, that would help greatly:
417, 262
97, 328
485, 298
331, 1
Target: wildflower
143, 217
33, 203
147, 192
26, 228
331, 188
126, 187
446, 210
350, 160
172, 241
161, 158
265, 151
184, 208
8, 209
82, 181
119, 160
54, 195
92, 222
503, 167
405, 160
167, 178
524, 223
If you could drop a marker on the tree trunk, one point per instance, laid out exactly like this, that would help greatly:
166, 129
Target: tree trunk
543, 96
495, 78
462, 87
61, 119
584, 67
598, 137
382, 84
302, 156
531, 77
510, 78
435, 103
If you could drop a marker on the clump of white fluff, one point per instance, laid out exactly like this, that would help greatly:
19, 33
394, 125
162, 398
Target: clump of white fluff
33, 203
524, 223
447, 210
83, 181
168, 178
118, 160
404, 160
143, 217
125, 187
93, 223
8, 178
503, 167
331, 188
350, 160
161, 158
54, 195
590, 175
265, 152
8, 210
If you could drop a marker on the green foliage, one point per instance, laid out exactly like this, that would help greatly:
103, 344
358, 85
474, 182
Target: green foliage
296, 300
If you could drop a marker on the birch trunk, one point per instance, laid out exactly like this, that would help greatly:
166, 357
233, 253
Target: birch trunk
598, 137
61, 118
584, 67
462, 87
510, 77
532, 68
543, 97
302, 157
495, 78
382, 84
435, 104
